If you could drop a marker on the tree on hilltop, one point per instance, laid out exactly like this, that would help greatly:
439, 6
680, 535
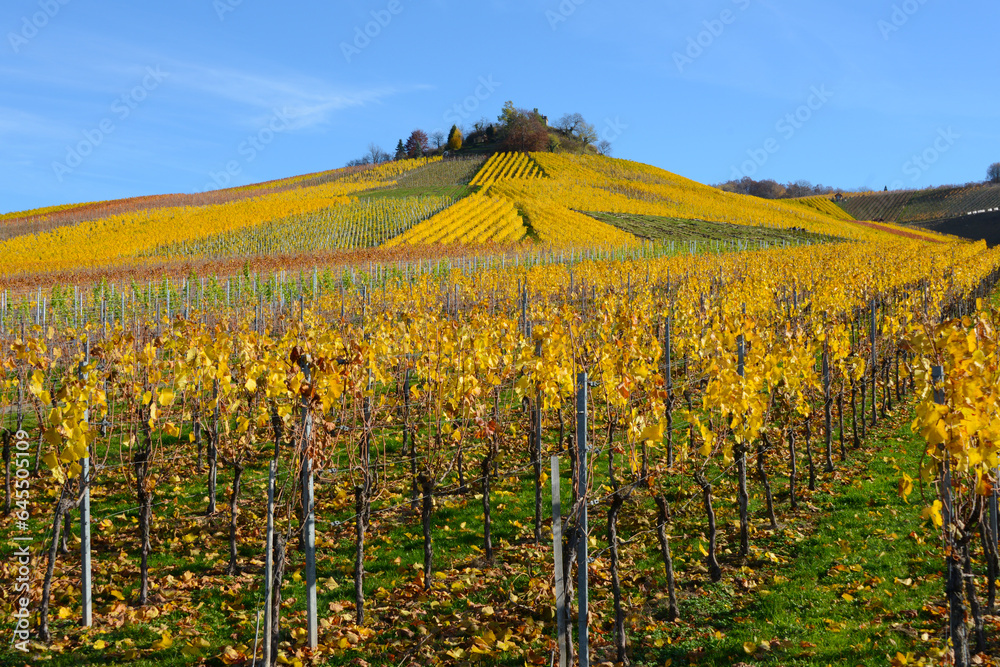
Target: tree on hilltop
569, 122
993, 173
523, 131
376, 155
417, 144
574, 125
508, 113
400, 150
454, 138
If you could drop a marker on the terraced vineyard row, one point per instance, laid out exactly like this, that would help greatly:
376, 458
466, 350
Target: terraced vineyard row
949, 203
878, 207
359, 224
503, 166
478, 218
825, 205
922, 205
449, 172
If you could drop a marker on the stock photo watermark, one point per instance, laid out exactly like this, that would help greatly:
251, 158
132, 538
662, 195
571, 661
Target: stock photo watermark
900, 16
121, 109
714, 29
223, 7
363, 35
562, 13
787, 127
609, 134
22, 584
920, 163
35, 23
255, 144
463, 110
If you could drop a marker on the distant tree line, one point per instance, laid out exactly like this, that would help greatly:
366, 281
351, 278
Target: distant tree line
375, 155
770, 189
516, 129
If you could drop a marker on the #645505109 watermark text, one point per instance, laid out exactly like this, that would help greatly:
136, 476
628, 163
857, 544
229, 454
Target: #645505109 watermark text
22, 539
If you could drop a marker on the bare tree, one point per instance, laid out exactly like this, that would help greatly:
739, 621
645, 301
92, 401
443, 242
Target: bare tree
574, 125
438, 137
800, 188
604, 148
570, 122
376, 155
768, 189
993, 173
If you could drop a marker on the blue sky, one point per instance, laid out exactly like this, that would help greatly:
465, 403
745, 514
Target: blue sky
112, 99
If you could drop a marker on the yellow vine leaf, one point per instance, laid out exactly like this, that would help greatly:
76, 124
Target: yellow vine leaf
933, 513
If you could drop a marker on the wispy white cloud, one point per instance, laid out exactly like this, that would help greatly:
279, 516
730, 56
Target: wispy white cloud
243, 97
309, 101
20, 123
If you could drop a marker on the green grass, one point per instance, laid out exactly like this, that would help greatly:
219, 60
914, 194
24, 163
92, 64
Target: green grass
853, 529
446, 178
682, 231
836, 597
455, 191
444, 172
203, 607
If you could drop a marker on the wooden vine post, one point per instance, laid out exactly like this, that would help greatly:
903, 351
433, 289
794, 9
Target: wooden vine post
668, 377
308, 509
213, 450
269, 629
953, 582
563, 636
618, 499
582, 559
741, 464
874, 363
536, 452
362, 500
85, 473
673, 613
827, 407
